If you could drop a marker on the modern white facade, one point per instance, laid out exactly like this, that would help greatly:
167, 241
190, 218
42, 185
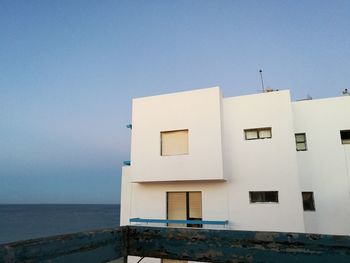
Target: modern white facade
240, 156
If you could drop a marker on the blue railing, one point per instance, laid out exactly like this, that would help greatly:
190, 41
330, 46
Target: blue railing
166, 221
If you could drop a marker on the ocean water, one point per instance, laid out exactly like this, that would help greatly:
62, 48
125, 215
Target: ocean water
21, 222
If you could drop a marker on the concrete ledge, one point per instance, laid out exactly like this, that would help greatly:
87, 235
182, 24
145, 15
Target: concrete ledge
180, 243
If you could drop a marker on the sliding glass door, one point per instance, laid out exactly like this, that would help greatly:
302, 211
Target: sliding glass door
184, 206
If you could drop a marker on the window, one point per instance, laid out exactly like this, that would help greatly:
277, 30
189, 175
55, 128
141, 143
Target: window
300, 140
184, 206
263, 197
261, 133
308, 201
174, 142
345, 136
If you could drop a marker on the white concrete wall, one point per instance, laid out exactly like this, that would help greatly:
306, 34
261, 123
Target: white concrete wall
263, 164
199, 112
126, 196
324, 168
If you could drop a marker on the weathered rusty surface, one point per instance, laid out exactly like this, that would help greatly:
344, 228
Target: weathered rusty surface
93, 246
180, 243
236, 246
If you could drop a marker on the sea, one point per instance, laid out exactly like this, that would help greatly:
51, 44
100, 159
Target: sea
22, 222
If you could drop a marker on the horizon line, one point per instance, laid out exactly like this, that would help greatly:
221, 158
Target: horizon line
59, 203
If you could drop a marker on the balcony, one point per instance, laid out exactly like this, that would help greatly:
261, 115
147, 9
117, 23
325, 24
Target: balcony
180, 243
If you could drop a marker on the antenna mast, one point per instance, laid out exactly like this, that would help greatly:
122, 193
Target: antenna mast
262, 81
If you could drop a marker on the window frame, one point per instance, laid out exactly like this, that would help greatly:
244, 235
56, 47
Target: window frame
313, 207
304, 141
263, 202
257, 130
169, 131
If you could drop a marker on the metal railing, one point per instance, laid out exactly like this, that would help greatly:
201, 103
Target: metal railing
172, 221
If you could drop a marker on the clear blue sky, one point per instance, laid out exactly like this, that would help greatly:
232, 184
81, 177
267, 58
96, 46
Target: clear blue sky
69, 69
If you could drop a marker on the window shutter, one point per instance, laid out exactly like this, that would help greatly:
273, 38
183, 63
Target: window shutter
177, 207
265, 133
301, 146
249, 135
300, 137
195, 203
174, 142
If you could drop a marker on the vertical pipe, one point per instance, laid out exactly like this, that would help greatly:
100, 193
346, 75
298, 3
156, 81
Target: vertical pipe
262, 81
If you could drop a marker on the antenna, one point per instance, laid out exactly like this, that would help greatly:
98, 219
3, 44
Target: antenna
262, 81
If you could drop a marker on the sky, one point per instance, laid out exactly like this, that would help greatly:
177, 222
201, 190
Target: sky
69, 71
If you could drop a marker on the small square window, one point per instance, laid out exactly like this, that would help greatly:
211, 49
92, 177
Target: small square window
308, 201
345, 136
251, 134
260, 133
263, 196
300, 140
174, 142
264, 133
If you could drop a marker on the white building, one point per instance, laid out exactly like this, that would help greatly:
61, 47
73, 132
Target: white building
259, 161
